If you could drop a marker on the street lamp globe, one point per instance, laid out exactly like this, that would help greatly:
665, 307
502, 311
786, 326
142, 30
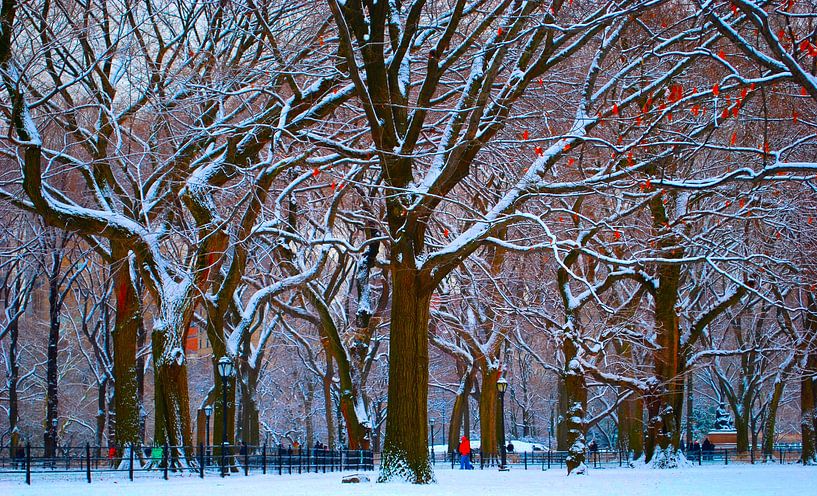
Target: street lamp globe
208, 410
502, 385
226, 368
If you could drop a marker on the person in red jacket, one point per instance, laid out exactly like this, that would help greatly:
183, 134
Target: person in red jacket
465, 454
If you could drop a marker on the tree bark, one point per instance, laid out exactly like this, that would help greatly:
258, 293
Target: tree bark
125, 369
460, 410
488, 404
52, 379
808, 403
631, 426
327, 402
13, 379
405, 454
573, 417
171, 395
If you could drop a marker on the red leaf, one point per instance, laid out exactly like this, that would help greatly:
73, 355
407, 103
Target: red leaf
615, 109
716, 89
525, 135
538, 150
794, 116
734, 139
499, 32
315, 172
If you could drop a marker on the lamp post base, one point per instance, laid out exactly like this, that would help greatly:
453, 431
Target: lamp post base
504, 468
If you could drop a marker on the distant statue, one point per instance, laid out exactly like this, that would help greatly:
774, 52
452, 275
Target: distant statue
723, 421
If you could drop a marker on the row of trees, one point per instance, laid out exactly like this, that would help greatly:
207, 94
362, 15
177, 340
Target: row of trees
619, 191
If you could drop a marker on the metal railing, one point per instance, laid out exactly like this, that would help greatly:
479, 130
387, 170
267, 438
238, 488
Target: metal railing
31, 462
614, 458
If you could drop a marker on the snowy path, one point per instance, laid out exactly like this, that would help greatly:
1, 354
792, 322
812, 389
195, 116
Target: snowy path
739, 480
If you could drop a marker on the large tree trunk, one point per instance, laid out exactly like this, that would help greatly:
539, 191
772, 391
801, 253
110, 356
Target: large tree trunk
573, 417
665, 405
405, 453
125, 369
488, 404
171, 396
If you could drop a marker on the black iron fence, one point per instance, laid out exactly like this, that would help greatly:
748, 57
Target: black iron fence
32, 462
614, 458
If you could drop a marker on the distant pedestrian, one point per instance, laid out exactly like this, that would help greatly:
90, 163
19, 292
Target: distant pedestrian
465, 453
708, 449
594, 447
112, 456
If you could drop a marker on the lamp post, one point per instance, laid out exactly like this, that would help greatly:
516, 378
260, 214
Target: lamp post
502, 386
208, 410
226, 370
431, 425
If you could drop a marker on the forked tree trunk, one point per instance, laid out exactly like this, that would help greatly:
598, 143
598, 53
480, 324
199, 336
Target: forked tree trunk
405, 453
125, 370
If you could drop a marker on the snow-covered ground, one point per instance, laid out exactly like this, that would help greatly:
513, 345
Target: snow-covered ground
739, 480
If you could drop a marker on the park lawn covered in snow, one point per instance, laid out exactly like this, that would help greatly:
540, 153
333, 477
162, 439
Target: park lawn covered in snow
740, 480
